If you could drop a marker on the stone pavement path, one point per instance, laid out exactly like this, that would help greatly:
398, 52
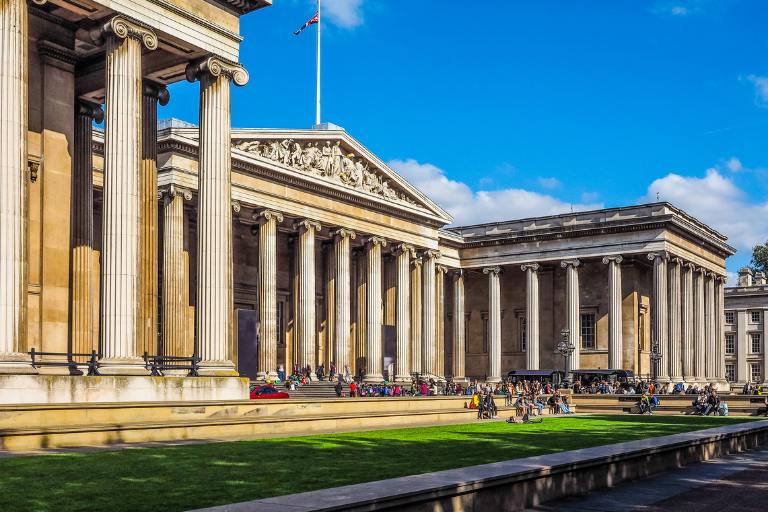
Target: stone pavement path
734, 483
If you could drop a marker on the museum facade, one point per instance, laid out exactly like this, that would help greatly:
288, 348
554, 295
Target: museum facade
251, 249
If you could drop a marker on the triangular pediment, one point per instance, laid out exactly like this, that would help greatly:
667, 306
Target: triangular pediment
332, 156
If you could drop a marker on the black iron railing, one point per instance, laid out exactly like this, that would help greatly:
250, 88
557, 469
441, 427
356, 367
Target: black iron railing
158, 364
92, 363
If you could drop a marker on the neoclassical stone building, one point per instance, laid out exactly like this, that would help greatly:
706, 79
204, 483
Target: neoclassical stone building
746, 329
257, 248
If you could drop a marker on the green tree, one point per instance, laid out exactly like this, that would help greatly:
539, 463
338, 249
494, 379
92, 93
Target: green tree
760, 257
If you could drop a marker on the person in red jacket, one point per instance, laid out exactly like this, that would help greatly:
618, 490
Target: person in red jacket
352, 389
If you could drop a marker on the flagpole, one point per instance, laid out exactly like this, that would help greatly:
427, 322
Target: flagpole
317, 107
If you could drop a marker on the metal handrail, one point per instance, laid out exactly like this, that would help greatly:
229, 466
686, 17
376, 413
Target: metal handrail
92, 363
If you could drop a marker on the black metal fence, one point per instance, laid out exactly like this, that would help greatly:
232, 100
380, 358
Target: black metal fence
159, 364
66, 359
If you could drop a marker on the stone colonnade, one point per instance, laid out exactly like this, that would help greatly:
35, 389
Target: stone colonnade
129, 291
685, 305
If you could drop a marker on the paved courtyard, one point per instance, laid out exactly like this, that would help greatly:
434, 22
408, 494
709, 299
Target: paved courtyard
734, 483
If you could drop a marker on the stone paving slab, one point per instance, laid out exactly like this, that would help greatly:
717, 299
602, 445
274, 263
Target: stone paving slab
453, 481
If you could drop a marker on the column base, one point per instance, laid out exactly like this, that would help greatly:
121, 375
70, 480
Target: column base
16, 363
493, 380
265, 376
217, 369
122, 366
403, 378
373, 378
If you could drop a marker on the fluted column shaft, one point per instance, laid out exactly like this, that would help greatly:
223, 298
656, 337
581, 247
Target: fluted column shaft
719, 331
83, 323
175, 341
494, 324
709, 325
122, 165
675, 361
148, 230
214, 226
531, 315
686, 327
374, 348
572, 310
306, 320
615, 344
459, 321
429, 312
341, 288
403, 254
699, 332
13, 168
439, 368
416, 314
268, 221
660, 311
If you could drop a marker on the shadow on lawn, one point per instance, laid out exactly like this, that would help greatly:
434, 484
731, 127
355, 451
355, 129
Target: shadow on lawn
184, 477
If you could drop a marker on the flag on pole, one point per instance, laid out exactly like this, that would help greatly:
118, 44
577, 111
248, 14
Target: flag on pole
314, 19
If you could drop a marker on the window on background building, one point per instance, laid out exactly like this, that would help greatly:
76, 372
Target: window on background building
730, 372
755, 373
523, 334
755, 343
588, 330
730, 344
729, 317
755, 317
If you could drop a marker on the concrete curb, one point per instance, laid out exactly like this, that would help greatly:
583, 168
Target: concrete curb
521, 483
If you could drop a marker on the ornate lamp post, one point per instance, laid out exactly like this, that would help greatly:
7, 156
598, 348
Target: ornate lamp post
565, 348
655, 359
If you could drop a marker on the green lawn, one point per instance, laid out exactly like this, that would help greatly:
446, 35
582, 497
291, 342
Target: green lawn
184, 477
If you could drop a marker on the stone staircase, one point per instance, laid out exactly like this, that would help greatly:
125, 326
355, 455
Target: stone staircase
318, 389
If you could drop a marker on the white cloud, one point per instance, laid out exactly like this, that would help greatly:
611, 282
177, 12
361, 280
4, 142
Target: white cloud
717, 201
734, 164
761, 89
678, 10
473, 207
343, 13
549, 182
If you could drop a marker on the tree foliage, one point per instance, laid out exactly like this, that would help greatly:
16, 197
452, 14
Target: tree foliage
760, 257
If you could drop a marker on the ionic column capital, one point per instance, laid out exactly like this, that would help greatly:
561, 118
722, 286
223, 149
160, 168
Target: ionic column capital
533, 267
122, 27
236, 206
402, 248
172, 191
307, 225
616, 258
441, 269
267, 215
663, 255
156, 91
689, 266
492, 270
570, 263
376, 240
416, 261
344, 233
217, 66
39, 2
432, 254
92, 110
458, 273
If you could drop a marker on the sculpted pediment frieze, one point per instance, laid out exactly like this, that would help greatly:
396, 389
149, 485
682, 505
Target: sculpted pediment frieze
329, 160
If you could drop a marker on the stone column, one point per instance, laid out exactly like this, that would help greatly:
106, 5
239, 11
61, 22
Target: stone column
531, 315
342, 298
439, 368
709, 326
120, 255
175, 306
686, 327
660, 311
494, 324
572, 309
268, 221
214, 226
403, 253
416, 314
698, 323
675, 362
615, 345
459, 343
83, 321
148, 231
428, 327
720, 331
374, 348
306, 319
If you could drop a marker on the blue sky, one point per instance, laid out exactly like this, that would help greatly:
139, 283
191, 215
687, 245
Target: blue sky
502, 109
